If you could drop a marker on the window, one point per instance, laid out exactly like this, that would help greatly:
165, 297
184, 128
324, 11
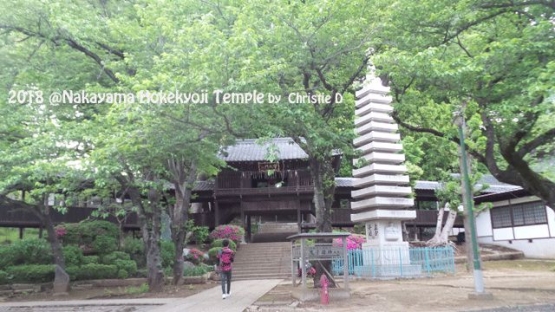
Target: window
519, 215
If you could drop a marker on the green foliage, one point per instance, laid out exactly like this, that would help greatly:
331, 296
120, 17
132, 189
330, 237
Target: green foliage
213, 254
9, 235
86, 232
137, 290
135, 248
31, 273
104, 244
73, 256
486, 63
113, 256
73, 272
129, 266
25, 251
219, 243
200, 234
91, 260
97, 271
195, 271
4, 277
167, 253
122, 274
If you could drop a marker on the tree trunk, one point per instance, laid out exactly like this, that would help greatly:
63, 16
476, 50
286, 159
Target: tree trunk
61, 278
448, 226
183, 181
151, 226
153, 234
324, 187
441, 237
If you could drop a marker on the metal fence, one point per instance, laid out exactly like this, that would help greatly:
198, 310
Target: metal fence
397, 262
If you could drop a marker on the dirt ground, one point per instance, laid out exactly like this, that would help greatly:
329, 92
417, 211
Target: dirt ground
170, 291
511, 283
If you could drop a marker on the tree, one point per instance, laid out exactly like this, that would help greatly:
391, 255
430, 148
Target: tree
308, 54
495, 58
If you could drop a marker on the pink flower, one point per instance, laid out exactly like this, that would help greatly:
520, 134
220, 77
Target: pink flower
354, 241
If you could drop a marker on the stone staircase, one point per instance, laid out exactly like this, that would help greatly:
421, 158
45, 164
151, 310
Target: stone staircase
262, 261
274, 232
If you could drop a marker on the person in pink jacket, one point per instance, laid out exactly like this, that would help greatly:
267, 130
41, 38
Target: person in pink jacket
225, 257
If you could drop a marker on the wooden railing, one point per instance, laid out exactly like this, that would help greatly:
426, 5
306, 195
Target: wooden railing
302, 189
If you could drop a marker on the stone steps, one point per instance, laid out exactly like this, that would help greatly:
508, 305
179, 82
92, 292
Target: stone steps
262, 261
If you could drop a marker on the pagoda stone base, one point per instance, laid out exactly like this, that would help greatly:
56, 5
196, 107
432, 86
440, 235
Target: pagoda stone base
385, 254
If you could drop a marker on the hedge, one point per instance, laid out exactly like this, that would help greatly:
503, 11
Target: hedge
73, 255
32, 273
97, 271
4, 278
116, 255
129, 266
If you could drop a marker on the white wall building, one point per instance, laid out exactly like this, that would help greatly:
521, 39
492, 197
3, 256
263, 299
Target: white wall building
518, 221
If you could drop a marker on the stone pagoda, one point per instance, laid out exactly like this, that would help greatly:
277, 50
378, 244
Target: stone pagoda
382, 192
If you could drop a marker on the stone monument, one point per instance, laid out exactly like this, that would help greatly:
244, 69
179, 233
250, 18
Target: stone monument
382, 192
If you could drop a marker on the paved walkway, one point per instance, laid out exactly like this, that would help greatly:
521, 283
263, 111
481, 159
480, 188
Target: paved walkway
243, 294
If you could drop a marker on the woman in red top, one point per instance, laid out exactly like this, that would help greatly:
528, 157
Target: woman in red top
226, 258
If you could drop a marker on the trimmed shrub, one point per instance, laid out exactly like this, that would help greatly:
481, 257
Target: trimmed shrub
194, 271
213, 254
167, 251
86, 232
91, 260
129, 266
72, 234
136, 249
133, 246
97, 228
104, 244
229, 231
116, 255
220, 243
73, 272
31, 273
4, 278
6, 257
73, 255
26, 251
122, 274
97, 271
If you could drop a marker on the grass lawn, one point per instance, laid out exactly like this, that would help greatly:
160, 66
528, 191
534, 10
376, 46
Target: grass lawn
8, 235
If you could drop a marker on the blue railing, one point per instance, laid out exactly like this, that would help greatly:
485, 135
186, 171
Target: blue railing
397, 262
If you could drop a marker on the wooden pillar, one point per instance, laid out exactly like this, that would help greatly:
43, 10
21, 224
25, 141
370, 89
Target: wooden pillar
299, 219
40, 232
216, 214
21, 231
242, 214
249, 229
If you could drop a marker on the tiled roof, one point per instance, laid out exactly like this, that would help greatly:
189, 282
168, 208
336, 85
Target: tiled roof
250, 150
203, 186
427, 185
253, 150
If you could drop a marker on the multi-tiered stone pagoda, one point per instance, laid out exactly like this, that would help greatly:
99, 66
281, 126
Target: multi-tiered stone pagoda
382, 194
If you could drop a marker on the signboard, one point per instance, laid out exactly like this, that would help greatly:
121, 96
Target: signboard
318, 252
267, 166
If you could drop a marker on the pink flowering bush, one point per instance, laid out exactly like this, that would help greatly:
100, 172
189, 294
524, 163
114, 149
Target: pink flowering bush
354, 241
195, 256
231, 232
60, 231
